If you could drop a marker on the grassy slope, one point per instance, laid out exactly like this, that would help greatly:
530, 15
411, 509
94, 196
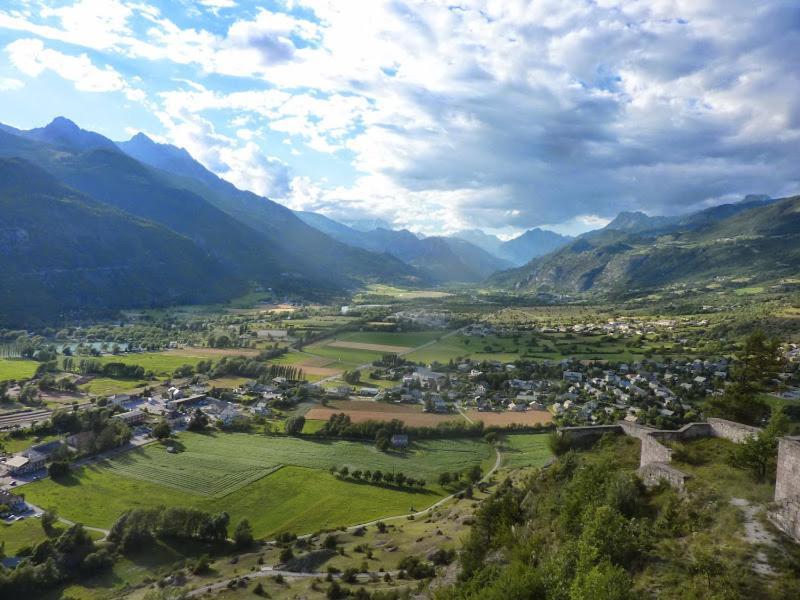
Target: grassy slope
295, 497
525, 450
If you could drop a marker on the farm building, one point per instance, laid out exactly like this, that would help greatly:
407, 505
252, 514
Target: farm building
15, 503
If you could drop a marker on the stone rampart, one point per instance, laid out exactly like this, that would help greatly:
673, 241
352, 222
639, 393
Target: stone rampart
588, 432
786, 517
787, 481
653, 451
654, 473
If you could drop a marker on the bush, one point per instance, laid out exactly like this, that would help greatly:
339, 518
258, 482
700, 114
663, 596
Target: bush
286, 554
415, 568
558, 444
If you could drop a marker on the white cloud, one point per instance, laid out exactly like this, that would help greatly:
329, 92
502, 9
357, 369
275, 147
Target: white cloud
503, 114
9, 84
32, 58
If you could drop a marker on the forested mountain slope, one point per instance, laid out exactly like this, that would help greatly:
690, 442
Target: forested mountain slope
63, 254
762, 241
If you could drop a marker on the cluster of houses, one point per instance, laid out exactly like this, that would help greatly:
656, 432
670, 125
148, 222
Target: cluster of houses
576, 391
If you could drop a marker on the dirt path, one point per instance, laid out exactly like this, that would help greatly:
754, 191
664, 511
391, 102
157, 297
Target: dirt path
756, 534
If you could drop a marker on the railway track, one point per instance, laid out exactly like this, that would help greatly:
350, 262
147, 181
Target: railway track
29, 416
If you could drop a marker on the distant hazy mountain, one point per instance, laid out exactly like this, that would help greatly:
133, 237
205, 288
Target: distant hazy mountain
532, 243
639, 222
519, 250
167, 157
368, 224
304, 249
441, 259
758, 238
64, 133
491, 243
235, 238
63, 254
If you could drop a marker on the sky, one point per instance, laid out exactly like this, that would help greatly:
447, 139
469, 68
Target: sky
433, 115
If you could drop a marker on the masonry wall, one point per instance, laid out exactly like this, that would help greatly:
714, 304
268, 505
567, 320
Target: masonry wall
787, 482
690, 431
654, 473
635, 429
653, 451
588, 432
730, 430
786, 517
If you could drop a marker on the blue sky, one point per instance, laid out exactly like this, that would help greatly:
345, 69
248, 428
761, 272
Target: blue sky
500, 115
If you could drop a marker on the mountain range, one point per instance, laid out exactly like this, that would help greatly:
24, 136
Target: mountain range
519, 250
757, 238
248, 238
90, 225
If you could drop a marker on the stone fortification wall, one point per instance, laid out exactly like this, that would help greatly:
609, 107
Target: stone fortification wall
785, 514
786, 517
635, 429
730, 430
787, 481
588, 432
654, 473
653, 451
655, 456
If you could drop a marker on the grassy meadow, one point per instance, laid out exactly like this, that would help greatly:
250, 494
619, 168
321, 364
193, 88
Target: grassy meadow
278, 483
14, 368
525, 450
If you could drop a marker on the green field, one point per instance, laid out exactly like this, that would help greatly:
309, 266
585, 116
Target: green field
12, 368
160, 363
18, 444
313, 425
345, 358
411, 339
509, 348
29, 532
488, 348
525, 450
104, 386
21, 533
236, 473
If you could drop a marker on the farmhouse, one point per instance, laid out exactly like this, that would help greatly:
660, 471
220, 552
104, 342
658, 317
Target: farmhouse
368, 391
261, 409
14, 502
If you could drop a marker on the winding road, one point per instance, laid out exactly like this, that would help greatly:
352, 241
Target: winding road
270, 572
